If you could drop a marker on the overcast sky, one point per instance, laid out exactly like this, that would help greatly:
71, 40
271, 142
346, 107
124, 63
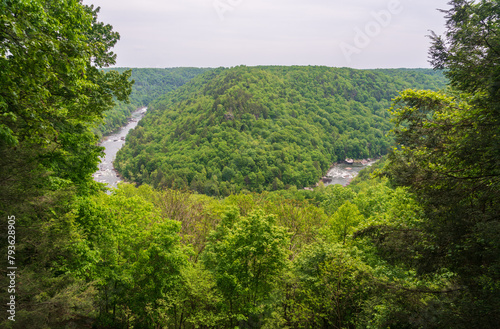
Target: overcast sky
213, 33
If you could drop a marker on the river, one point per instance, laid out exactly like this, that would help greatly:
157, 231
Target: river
112, 143
343, 173
339, 174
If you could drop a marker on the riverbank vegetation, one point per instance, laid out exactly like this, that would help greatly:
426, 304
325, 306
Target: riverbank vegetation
413, 243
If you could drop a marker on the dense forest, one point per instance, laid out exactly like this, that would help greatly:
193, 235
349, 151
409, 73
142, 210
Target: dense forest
265, 128
148, 84
412, 242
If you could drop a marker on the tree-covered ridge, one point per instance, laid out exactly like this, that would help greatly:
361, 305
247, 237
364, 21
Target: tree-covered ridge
265, 128
417, 249
149, 84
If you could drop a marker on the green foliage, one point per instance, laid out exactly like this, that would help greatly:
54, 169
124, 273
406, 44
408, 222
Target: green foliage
263, 262
246, 256
115, 118
264, 128
345, 220
49, 53
137, 259
148, 84
368, 173
449, 157
454, 177
52, 92
335, 197
419, 249
332, 285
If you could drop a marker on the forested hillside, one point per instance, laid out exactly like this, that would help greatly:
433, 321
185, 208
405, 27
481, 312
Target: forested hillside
265, 128
413, 242
148, 85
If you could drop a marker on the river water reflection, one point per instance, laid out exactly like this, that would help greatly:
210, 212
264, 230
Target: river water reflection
112, 143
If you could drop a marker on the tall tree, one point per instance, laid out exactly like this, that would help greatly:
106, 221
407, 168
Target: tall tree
51, 86
246, 255
450, 157
52, 91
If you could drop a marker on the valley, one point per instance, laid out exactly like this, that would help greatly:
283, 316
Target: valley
245, 201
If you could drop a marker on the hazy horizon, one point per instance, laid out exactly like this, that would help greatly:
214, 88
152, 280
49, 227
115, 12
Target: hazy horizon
264, 65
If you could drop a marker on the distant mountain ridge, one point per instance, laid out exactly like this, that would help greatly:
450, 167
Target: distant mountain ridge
265, 128
150, 83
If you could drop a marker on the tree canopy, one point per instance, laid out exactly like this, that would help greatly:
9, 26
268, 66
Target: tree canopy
50, 56
53, 91
148, 85
450, 156
264, 128
412, 242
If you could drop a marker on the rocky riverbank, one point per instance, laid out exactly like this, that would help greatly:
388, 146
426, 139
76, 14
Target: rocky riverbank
343, 172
